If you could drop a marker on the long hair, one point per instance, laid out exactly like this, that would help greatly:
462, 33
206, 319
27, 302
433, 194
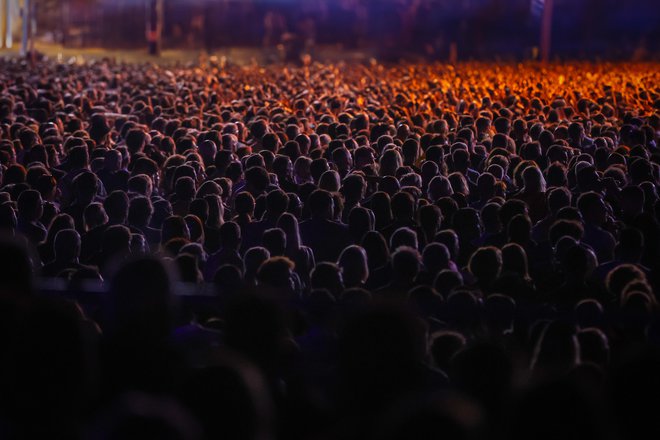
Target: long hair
289, 224
533, 180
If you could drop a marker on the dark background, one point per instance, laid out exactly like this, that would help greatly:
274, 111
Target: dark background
486, 29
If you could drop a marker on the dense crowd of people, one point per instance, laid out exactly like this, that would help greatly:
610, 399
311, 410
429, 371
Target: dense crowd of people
394, 252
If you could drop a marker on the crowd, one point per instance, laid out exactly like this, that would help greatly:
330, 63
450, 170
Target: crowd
395, 252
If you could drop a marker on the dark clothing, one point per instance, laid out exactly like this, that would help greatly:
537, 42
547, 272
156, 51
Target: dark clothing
91, 243
220, 258
325, 237
34, 231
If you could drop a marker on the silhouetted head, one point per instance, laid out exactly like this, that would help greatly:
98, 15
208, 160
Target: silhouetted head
67, 245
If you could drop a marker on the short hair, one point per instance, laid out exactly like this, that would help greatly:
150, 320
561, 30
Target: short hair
403, 204
29, 204
320, 201
253, 258
353, 185
327, 275
444, 345
404, 237
67, 244
257, 177
274, 272
435, 257
94, 215
485, 263
561, 228
406, 262
230, 234
140, 210
274, 239
587, 201
354, 263
116, 205
140, 184
617, 278
185, 187
244, 203
135, 140
277, 201
557, 198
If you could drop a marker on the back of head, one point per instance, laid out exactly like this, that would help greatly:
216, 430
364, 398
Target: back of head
257, 179
188, 268
274, 240
439, 187
563, 228
353, 187
558, 198
444, 345
253, 259
378, 252
116, 241
589, 313
67, 245
228, 280
94, 215
590, 205
514, 259
140, 211
30, 205
519, 229
289, 224
185, 188
78, 157
328, 276
466, 223
485, 264
329, 181
276, 273
404, 237
244, 203
135, 140
486, 185
575, 262
276, 203
594, 346
510, 209
500, 311
632, 199
405, 264
435, 257
556, 349
321, 204
8, 220
620, 276
533, 179
430, 218
85, 186
116, 206
354, 265
230, 235
403, 205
